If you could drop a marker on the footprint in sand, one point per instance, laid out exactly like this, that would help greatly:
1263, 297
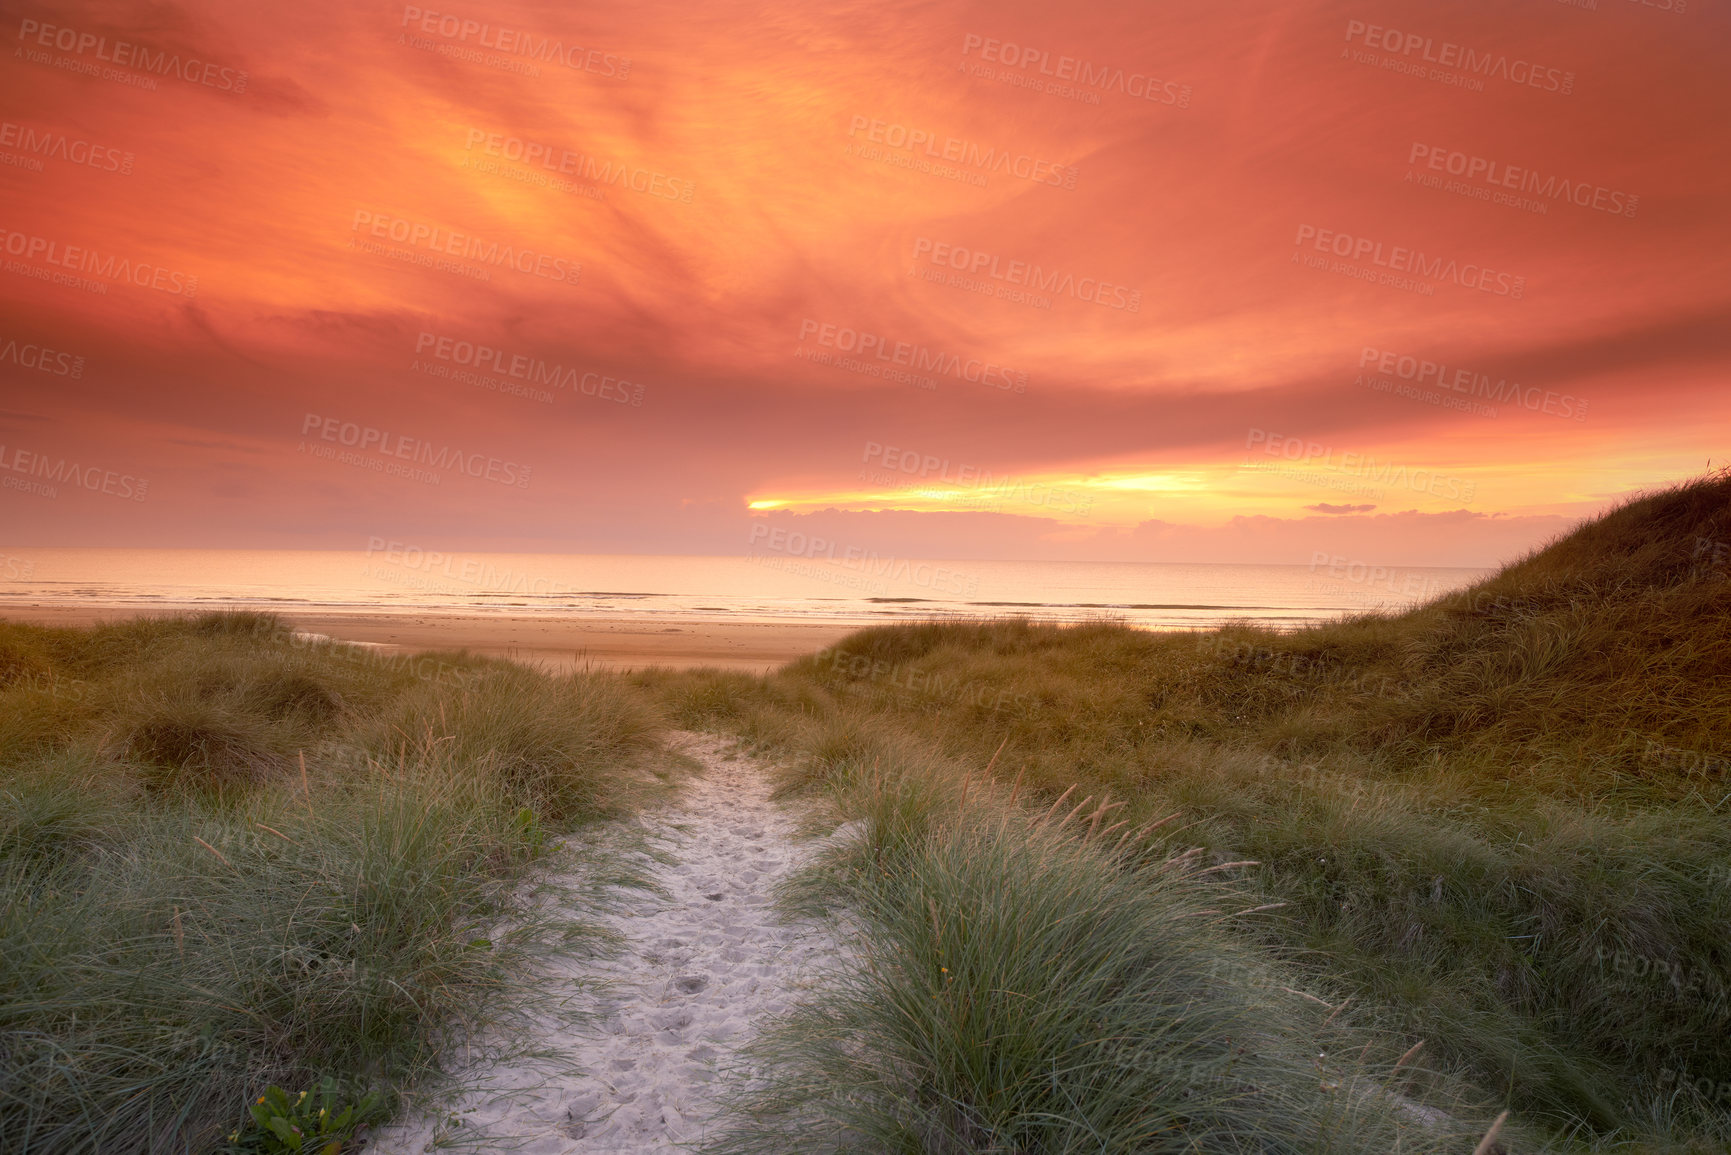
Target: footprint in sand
698, 972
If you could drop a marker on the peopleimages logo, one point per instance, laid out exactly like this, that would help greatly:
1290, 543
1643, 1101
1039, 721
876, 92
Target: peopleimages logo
563, 161
1358, 465
526, 367
476, 571
860, 563
1400, 259
1472, 383
1094, 290
908, 467
130, 55
88, 260
421, 452
901, 354
59, 146
42, 359
515, 42
1140, 85
983, 157
1488, 65
95, 478
1498, 175
436, 239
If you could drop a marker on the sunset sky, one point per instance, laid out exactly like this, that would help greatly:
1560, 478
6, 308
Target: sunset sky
1236, 281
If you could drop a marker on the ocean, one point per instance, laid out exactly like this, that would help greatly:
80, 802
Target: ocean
762, 587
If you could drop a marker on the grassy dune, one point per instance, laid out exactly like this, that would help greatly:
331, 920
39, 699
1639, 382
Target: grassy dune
1108, 890
230, 858
1032, 980
1499, 823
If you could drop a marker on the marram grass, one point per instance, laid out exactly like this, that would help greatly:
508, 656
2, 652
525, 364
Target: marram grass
231, 859
1026, 981
1500, 822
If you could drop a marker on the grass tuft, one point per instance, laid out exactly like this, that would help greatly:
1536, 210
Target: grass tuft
195, 745
232, 860
1019, 983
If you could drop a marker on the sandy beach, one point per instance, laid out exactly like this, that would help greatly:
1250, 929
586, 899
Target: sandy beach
559, 644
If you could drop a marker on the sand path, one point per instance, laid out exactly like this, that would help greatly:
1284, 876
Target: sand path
701, 965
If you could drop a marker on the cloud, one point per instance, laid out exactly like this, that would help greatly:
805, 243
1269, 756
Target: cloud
1159, 308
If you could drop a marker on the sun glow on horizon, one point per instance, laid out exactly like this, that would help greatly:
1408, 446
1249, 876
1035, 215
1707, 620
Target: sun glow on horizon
679, 285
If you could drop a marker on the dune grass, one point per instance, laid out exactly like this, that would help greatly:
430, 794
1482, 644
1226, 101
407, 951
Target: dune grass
231, 858
1046, 981
1500, 821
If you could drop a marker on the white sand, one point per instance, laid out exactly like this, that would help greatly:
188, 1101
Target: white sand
700, 969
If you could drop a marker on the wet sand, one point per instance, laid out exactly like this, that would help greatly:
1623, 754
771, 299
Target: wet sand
560, 644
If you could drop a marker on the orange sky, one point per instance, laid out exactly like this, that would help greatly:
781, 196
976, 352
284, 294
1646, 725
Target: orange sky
1421, 282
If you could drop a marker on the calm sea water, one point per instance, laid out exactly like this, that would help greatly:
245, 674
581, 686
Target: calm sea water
765, 587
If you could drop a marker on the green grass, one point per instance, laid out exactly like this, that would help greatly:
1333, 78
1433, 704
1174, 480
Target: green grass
1040, 982
231, 859
1500, 821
